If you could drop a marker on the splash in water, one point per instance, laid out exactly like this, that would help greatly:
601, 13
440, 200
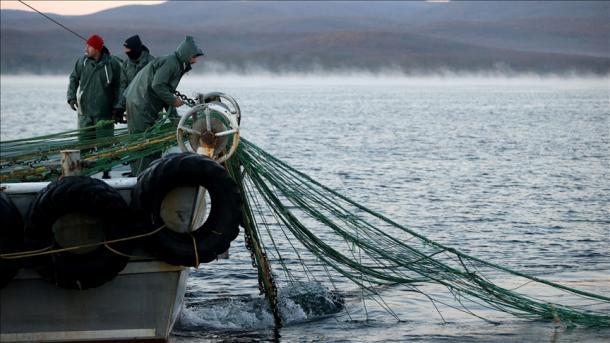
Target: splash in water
298, 302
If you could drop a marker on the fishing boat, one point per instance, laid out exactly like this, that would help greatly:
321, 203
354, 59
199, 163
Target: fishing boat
86, 259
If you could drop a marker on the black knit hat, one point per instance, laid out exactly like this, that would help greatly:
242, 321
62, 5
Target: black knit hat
133, 42
135, 45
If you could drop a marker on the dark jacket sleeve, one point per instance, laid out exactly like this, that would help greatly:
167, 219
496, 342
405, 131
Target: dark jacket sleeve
116, 85
161, 82
74, 80
122, 85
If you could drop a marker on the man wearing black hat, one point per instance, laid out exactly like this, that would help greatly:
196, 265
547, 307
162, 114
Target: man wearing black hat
138, 57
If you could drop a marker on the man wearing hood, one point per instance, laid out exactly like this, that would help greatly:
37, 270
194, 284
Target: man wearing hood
138, 57
94, 89
152, 90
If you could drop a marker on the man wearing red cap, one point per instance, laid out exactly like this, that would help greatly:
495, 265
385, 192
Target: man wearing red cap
94, 88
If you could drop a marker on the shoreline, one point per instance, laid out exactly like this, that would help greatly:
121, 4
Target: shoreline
364, 79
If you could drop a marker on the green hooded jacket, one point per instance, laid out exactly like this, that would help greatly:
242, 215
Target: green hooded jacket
153, 87
129, 69
95, 86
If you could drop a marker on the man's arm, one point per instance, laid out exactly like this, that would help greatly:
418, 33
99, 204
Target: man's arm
161, 83
116, 85
74, 80
122, 86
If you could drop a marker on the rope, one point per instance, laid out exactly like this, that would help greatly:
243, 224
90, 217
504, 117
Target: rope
195, 250
9, 255
123, 254
55, 21
33, 253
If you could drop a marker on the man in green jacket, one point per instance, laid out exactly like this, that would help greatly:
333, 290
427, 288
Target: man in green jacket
94, 88
138, 57
153, 89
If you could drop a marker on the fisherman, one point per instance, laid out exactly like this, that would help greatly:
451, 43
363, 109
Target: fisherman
138, 57
152, 90
94, 90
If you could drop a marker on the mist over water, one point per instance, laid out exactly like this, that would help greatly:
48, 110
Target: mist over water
42, 99
515, 170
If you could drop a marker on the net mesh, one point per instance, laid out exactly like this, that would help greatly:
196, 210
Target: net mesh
311, 232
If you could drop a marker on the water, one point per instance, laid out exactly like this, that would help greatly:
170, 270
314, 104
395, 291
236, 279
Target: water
515, 171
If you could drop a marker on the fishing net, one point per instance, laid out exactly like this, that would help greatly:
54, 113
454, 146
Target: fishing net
296, 218
299, 230
39, 158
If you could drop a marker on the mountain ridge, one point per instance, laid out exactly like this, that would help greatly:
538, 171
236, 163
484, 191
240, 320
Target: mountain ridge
539, 37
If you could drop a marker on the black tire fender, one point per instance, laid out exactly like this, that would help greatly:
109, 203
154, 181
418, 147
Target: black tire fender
92, 197
11, 238
214, 236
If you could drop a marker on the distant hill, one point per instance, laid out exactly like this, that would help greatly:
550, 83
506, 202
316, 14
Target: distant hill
413, 37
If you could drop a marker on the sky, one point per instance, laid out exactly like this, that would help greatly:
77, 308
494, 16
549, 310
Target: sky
70, 7
81, 7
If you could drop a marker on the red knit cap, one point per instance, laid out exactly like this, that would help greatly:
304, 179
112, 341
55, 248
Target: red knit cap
96, 42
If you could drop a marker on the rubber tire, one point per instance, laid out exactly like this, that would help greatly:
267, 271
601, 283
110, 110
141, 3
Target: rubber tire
220, 228
80, 194
11, 238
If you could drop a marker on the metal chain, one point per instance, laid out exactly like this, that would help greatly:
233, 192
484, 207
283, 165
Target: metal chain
188, 101
249, 244
274, 305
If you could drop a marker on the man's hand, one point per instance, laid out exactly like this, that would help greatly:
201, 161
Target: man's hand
73, 104
117, 115
178, 102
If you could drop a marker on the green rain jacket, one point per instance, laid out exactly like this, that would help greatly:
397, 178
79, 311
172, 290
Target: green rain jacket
95, 86
153, 87
129, 69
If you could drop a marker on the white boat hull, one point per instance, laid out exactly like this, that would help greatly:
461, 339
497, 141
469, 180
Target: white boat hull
141, 303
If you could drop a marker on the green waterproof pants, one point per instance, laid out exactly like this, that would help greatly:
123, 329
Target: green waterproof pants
138, 122
97, 132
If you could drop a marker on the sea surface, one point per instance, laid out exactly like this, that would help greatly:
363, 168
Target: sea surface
515, 171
